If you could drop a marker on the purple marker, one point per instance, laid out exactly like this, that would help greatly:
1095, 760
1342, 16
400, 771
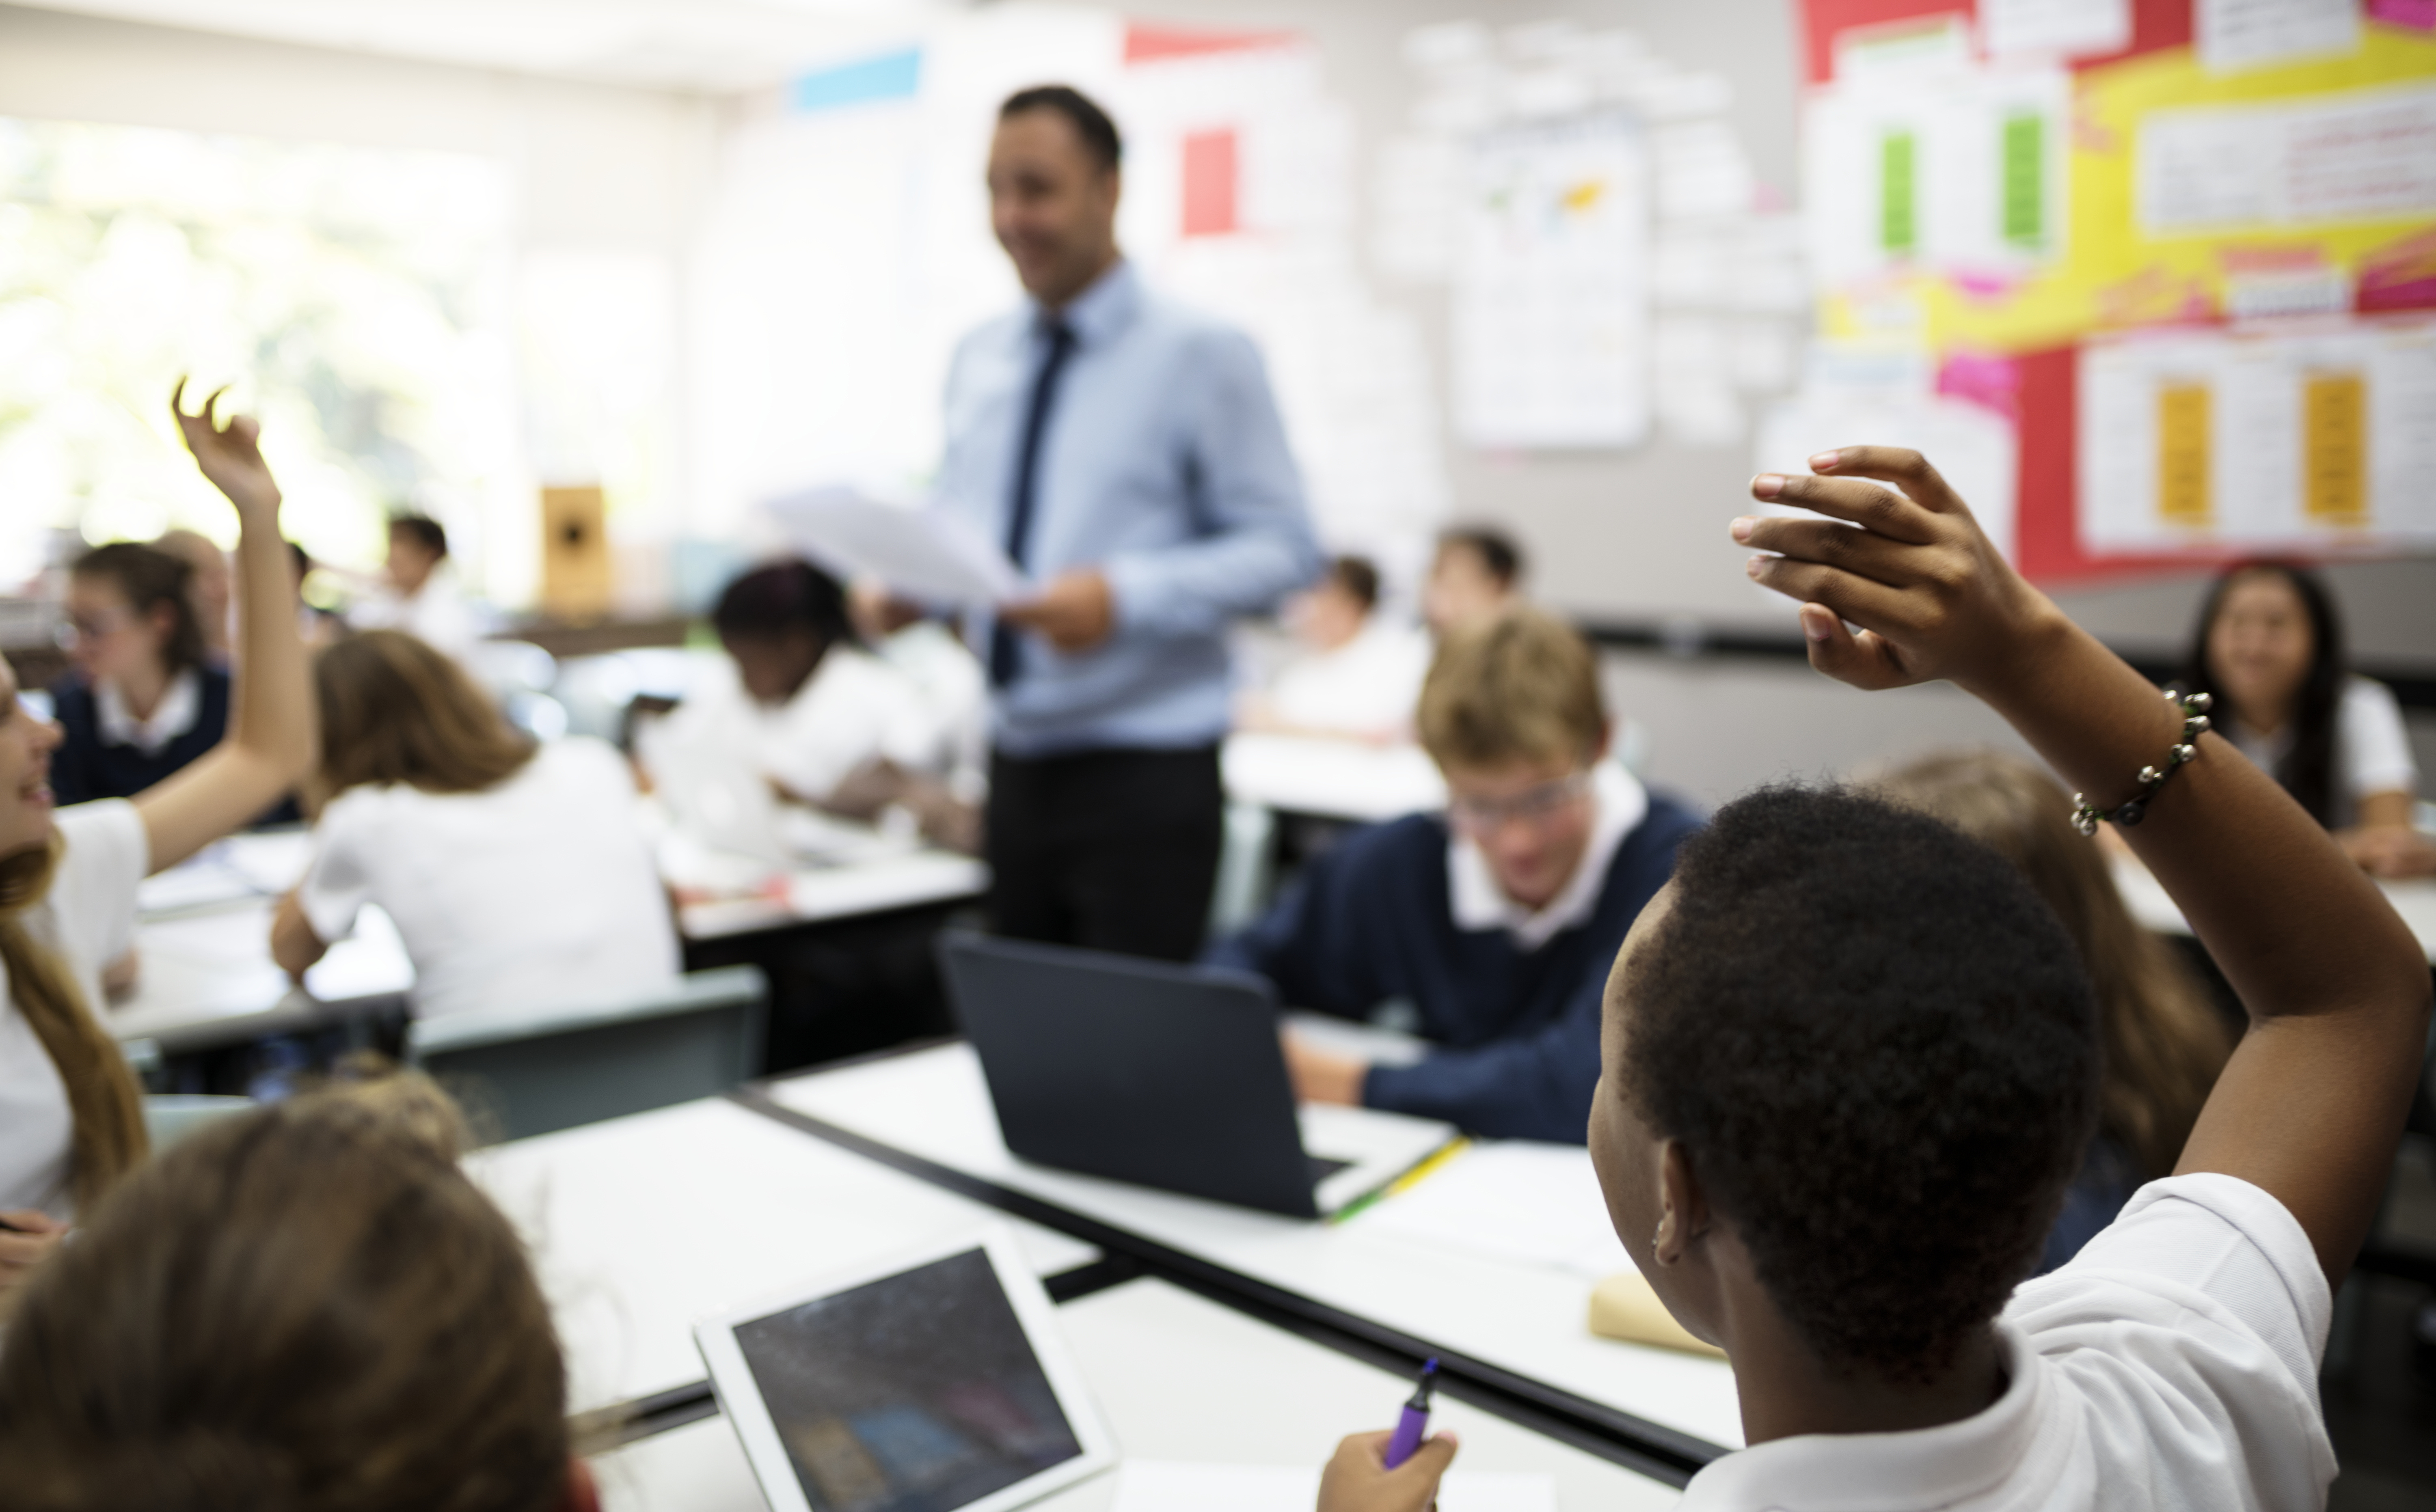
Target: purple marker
1415, 1423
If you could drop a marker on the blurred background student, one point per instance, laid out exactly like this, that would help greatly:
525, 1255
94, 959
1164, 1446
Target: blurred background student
2164, 1043
212, 589
1358, 676
418, 591
1476, 573
516, 873
142, 698
2270, 648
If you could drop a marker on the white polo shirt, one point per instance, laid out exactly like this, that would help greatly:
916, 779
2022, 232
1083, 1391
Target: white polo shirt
2172, 1365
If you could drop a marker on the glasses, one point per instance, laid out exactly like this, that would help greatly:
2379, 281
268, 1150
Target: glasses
1532, 806
76, 629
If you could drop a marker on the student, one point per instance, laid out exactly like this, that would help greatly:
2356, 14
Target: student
211, 590
1358, 676
420, 594
1488, 929
830, 724
71, 1116
1476, 573
1852, 1063
141, 699
306, 1307
2163, 1043
2270, 648
516, 873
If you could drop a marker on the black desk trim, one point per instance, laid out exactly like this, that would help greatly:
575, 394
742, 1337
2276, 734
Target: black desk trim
1650, 1449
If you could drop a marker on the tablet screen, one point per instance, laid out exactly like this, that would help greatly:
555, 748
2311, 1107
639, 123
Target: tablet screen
915, 1392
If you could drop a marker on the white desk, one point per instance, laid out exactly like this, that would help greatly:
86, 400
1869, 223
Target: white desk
1525, 1319
917, 879
1331, 779
208, 975
2415, 900
1176, 1378
642, 1224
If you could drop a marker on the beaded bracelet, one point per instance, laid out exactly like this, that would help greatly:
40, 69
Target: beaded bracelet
2086, 815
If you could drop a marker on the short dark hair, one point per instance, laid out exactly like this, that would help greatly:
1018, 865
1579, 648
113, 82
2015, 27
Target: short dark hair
784, 598
427, 532
1358, 577
1090, 123
149, 577
1880, 1052
1496, 549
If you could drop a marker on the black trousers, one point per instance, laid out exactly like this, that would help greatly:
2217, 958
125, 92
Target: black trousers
1111, 850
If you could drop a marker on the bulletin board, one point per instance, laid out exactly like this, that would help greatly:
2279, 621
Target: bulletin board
2185, 249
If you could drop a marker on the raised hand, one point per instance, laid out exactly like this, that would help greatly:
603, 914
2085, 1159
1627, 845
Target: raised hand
226, 453
1933, 597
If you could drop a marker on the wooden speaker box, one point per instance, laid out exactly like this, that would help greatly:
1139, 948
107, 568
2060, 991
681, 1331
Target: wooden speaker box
575, 575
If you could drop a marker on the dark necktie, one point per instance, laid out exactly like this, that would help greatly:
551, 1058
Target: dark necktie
1003, 662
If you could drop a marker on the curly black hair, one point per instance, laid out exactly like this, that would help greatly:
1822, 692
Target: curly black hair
1880, 1052
782, 599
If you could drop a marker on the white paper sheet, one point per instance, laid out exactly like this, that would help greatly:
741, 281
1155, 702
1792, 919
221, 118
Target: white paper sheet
2236, 34
2070, 28
1169, 1486
921, 553
1513, 1200
2362, 155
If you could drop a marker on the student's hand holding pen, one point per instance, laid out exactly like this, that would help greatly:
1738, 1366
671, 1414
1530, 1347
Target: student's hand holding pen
1357, 1478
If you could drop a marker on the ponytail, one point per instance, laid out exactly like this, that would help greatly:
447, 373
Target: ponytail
104, 1103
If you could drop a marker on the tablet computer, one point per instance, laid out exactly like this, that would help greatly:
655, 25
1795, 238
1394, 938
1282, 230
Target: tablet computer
932, 1381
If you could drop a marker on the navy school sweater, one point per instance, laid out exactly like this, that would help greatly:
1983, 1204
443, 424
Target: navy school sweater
85, 768
1517, 1030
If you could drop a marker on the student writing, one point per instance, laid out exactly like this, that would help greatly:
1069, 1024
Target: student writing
1488, 929
1852, 1062
516, 873
71, 1116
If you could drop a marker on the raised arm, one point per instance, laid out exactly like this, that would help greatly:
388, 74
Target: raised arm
270, 745
2311, 1104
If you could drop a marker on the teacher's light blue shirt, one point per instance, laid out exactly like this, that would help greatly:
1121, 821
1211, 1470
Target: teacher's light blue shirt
1164, 464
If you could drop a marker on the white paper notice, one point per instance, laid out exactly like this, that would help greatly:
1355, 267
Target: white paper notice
1513, 1200
2362, 155
2071, 28
1166, 1485
2237, 34
921, 553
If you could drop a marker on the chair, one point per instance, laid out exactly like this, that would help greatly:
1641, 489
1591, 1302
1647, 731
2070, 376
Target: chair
169, 1117
524, 1072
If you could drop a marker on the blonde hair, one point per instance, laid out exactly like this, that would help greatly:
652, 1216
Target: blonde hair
306, 1307
1522, 686
2163, 1042
105, 1106
395, 711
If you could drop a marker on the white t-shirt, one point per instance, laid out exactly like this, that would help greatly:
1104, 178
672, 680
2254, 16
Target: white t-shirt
2371, 748
538, 890
1368, 686
853, 708
2172, 1365
440, 614
89, 917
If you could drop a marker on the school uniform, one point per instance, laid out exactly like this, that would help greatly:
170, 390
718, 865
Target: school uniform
1404, 924
439, 613
854, 708
88, 918
2371, 748
2172, 1364
1368, 686
538, 890
106, 752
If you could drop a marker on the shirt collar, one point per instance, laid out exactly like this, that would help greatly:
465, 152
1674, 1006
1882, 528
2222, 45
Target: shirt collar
1912, 1471
179, 706
1097, 314
1478, 903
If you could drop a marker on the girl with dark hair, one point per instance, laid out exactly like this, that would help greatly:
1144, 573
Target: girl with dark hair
2270, 649
831, 725
142, 698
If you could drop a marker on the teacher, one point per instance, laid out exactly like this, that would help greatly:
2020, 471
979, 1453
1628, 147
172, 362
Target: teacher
1127, 454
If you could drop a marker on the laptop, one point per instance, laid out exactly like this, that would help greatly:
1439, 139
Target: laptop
1162, 1075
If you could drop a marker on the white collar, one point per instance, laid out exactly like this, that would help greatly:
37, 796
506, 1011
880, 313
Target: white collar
1478, 903
1927, 1467
181, 705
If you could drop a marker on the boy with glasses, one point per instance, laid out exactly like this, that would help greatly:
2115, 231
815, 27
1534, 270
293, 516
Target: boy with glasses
1488, 929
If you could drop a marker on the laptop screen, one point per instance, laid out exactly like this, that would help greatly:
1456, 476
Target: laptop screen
914, 1393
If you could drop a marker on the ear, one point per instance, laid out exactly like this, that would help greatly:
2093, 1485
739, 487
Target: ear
1605, 742
163, 620
581, 1494
1683, 1207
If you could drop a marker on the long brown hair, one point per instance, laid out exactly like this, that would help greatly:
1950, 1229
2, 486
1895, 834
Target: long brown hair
2164, 1043
308, 1307
393, 710
104, 1103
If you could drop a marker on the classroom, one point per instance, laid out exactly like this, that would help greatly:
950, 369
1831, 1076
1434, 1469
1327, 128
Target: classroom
936, 756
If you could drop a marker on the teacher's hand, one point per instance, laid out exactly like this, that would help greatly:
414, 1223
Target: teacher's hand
1076, 610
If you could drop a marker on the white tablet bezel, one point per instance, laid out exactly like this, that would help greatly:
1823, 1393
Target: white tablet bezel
740, 1397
